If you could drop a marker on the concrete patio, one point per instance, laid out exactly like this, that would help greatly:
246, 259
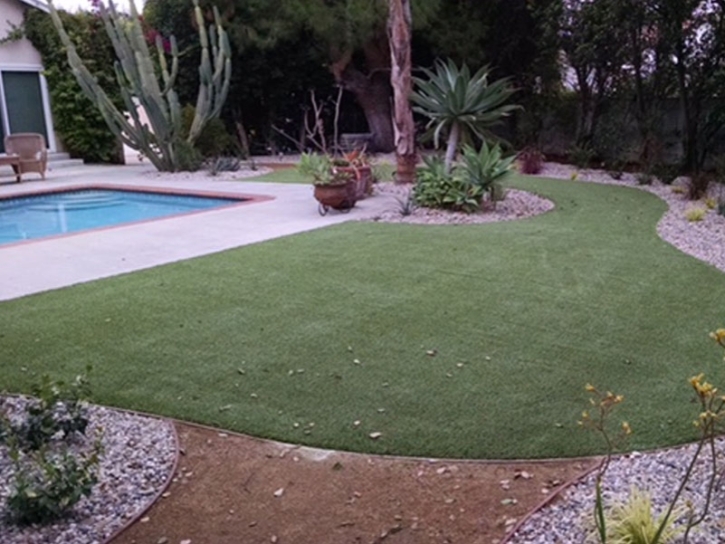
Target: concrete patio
39, 265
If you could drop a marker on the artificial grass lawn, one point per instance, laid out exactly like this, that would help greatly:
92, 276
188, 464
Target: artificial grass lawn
283, 175
520, 315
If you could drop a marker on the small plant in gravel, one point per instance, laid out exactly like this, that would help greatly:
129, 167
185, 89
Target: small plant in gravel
52, 468
59, 408
693, 215
711, 203
406, 203
48, 485
633, 522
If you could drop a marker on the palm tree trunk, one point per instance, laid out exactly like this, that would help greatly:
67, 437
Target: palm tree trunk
453, 139
399, 35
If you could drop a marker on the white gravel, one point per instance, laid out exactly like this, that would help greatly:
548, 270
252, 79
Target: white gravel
569, 519
516, 205
138, 459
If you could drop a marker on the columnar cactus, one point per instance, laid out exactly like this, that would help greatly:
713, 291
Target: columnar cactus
140, 87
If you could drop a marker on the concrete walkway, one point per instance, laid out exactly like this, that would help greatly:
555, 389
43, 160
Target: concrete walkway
44, 264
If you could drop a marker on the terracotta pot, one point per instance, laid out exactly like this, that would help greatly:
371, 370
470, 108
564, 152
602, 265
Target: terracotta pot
363, 176
338, 197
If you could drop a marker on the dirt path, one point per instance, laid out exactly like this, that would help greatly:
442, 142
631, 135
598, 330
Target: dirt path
235, 489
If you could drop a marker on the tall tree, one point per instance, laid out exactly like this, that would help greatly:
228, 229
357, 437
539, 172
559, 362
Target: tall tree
400, 28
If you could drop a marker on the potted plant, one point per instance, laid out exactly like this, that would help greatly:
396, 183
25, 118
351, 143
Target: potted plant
334, 188
357, 164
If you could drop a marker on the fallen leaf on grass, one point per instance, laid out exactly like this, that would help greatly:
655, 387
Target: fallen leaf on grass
375, 435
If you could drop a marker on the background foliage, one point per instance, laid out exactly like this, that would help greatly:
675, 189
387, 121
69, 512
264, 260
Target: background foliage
80, 126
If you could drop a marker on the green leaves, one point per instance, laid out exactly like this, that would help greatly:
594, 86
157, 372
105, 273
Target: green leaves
452, 96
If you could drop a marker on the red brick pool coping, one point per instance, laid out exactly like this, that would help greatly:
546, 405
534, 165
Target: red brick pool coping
243, 198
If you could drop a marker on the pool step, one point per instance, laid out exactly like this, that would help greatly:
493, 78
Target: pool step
62, 160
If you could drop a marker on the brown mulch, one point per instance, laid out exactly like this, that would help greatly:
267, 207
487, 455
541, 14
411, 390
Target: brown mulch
235, 489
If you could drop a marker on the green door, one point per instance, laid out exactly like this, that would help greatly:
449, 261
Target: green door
24, 102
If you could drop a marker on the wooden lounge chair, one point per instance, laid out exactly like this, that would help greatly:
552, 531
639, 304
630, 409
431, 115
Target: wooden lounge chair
29, 153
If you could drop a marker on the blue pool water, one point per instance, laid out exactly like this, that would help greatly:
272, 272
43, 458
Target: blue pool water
37, 216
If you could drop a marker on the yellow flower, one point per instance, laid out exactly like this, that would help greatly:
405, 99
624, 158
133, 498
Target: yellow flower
626, 428
590, 388
718, 336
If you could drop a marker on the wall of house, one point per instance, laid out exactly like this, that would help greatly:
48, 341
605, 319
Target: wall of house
19, 52
18, 57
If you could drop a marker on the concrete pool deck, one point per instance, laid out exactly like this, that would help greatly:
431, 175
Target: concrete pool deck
51, 263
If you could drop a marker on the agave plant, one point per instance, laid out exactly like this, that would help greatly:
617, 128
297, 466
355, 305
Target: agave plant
459, 104
487, 167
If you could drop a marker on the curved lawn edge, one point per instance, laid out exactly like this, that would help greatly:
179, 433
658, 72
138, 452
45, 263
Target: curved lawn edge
323, 252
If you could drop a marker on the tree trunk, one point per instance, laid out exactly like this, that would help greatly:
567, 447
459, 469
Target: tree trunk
372, 90
453, 139
399, 29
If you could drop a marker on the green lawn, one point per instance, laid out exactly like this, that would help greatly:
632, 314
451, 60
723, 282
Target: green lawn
286, 175
521, 315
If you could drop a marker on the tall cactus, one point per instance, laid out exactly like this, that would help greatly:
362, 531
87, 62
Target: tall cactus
136, 73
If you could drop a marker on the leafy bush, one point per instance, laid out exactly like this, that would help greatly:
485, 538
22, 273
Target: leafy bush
213, 141
581, 156
437, 189
58, 409
463, 188
666, 173
77, 122
49, 477
49, 487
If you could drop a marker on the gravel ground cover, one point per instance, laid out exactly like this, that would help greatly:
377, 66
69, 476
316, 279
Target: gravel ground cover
569, 519
138, 458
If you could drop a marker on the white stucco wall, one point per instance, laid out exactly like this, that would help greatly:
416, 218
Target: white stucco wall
21, 52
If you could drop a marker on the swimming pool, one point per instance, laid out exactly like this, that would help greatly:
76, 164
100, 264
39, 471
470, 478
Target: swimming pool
48, 214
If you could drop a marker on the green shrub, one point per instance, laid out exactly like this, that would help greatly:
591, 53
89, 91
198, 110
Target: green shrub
486, 168
463, 188
581, 156
49, 478
57, 409
666, 173
48, 487
214, 140
450, 191
77, 122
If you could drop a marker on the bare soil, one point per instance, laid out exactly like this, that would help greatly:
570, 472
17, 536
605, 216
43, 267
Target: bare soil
236, 489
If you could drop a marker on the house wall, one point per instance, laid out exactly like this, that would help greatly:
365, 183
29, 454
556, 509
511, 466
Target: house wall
21, 56
20, 52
